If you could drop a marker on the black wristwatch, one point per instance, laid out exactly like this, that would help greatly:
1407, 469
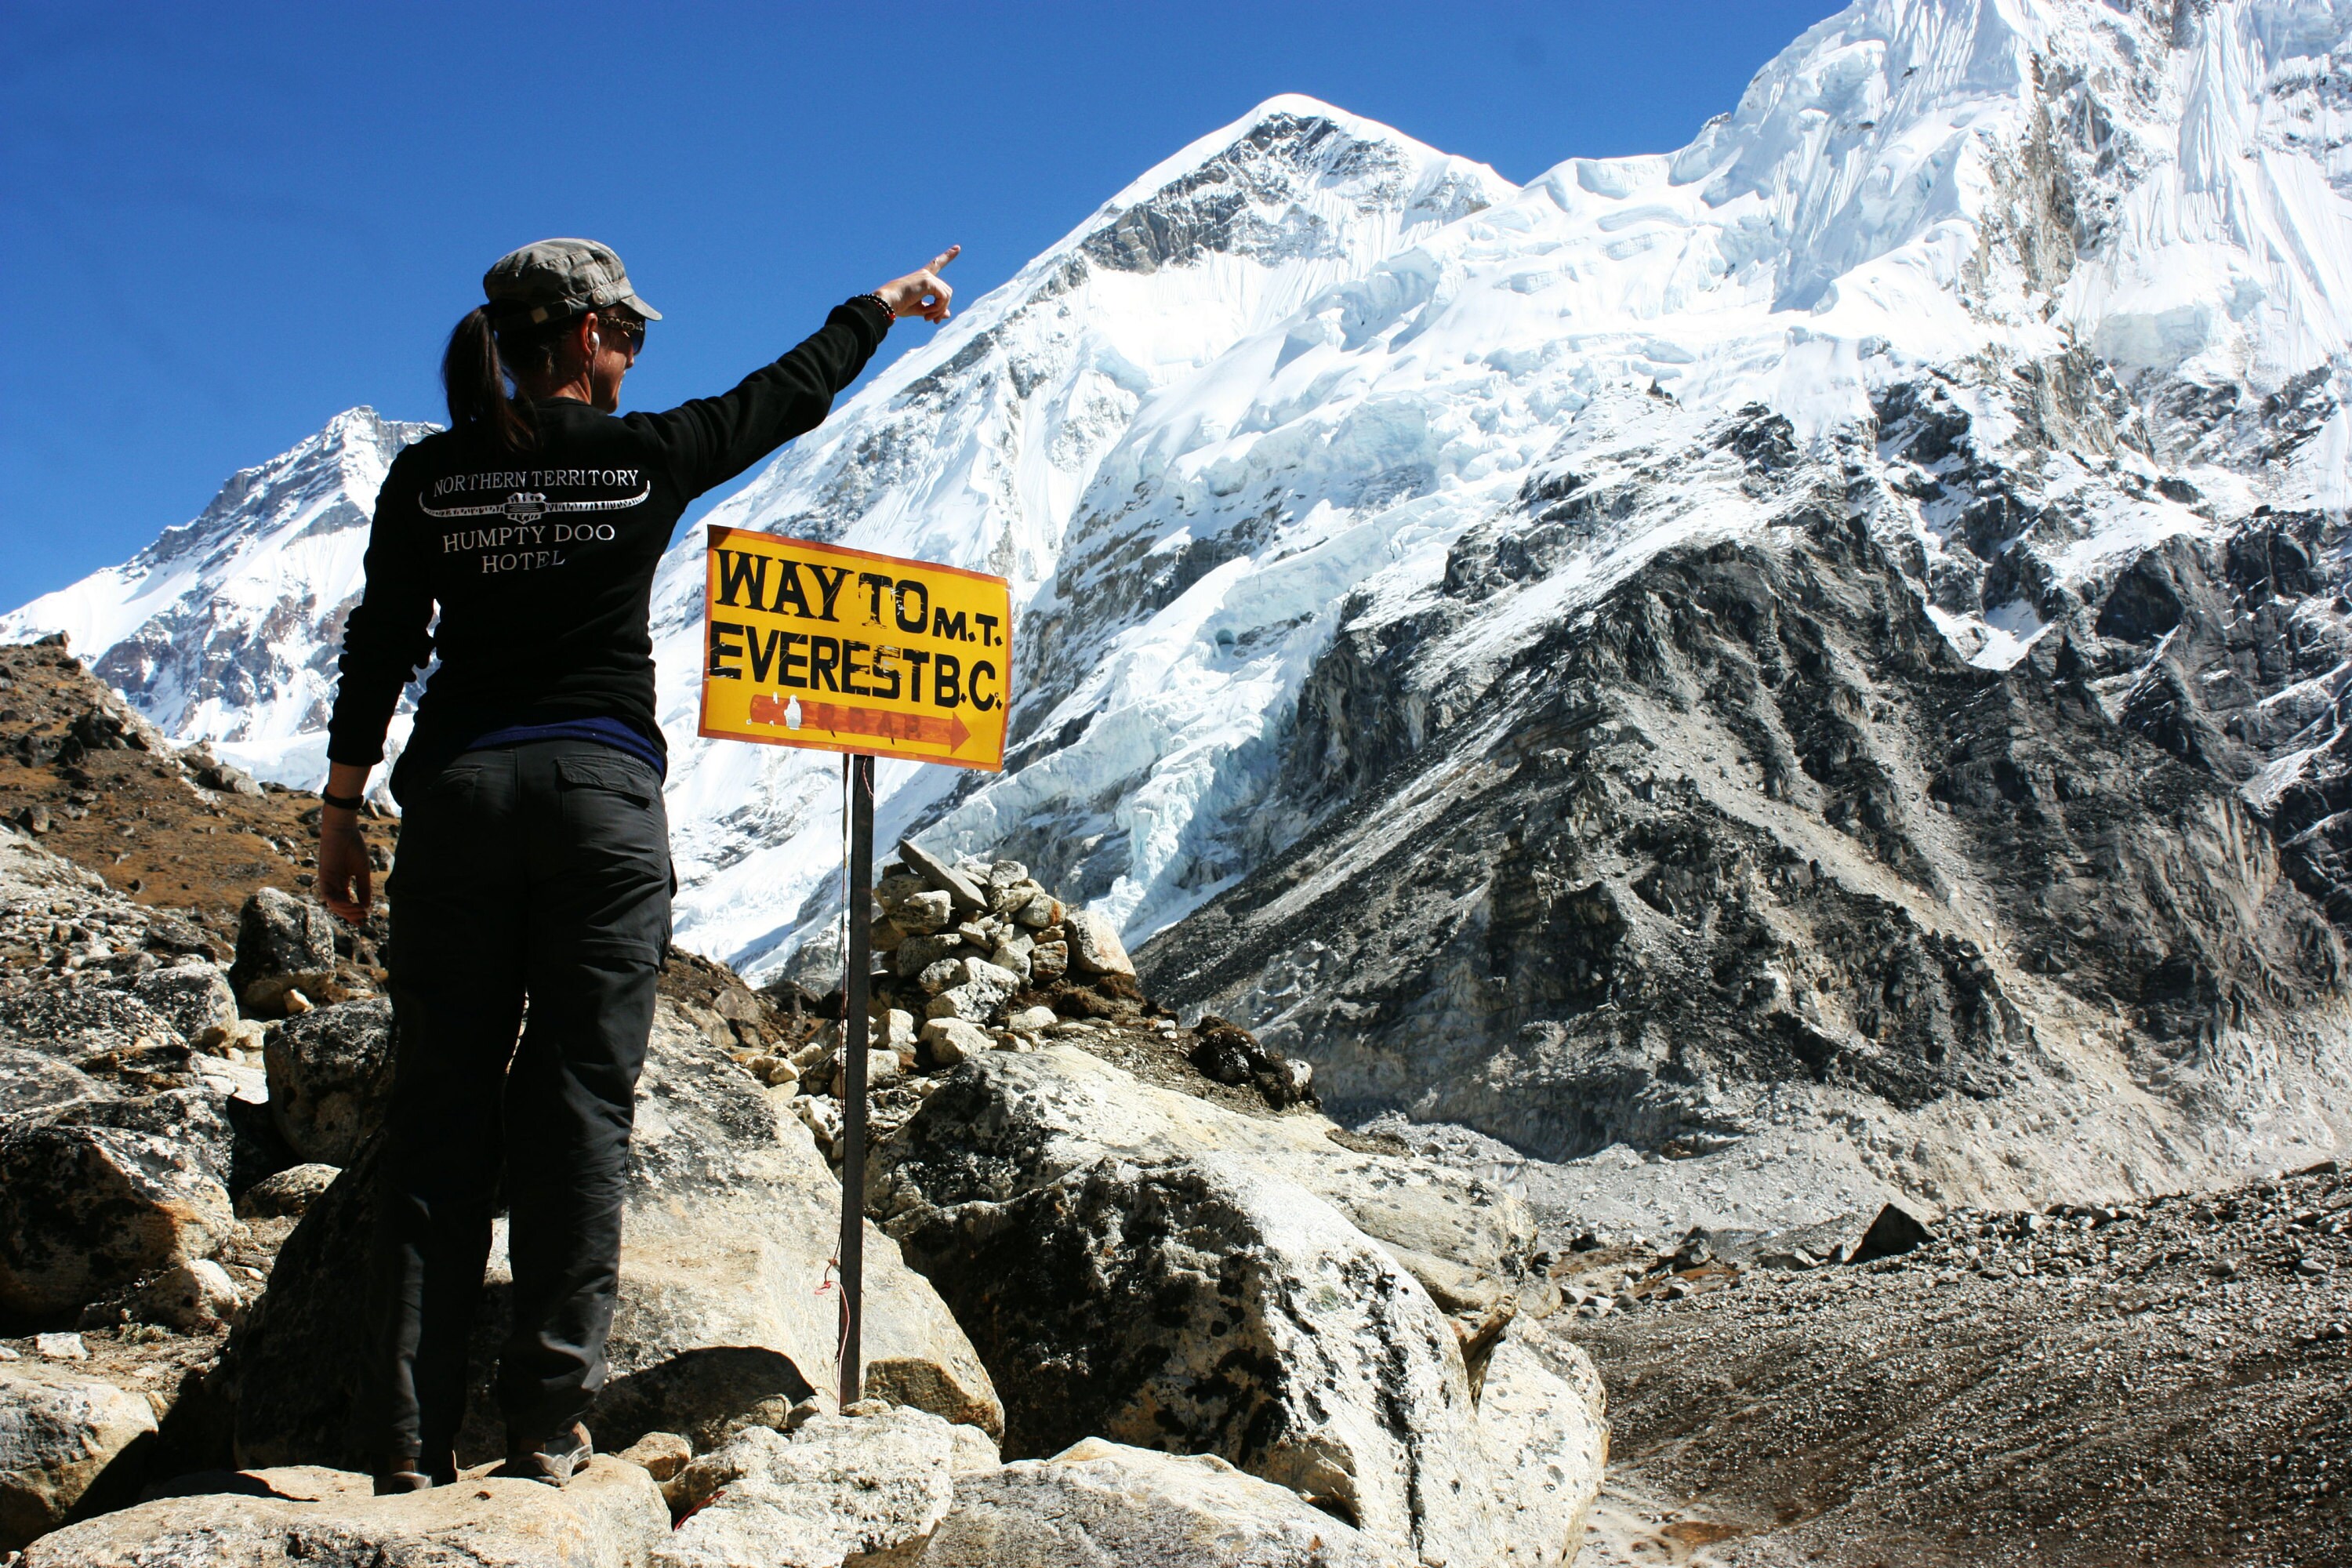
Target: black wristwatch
342, 801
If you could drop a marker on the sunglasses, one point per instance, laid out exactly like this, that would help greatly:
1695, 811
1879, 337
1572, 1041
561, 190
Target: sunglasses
626, 333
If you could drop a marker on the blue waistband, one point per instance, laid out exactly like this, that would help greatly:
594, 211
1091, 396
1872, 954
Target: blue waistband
603, 731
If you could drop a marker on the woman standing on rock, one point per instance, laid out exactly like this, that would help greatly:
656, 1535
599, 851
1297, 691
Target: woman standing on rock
534, 854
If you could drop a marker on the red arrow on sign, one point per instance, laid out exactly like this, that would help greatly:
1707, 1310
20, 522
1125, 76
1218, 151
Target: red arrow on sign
885, 723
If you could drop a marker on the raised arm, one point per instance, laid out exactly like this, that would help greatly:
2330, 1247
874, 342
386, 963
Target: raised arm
712, 440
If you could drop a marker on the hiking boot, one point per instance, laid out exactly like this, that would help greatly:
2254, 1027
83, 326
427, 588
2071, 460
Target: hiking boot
402, 1473
551, 1461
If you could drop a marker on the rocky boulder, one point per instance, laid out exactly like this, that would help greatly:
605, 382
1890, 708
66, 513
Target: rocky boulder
1005, 1124
67, 1442
330, 1079
611, 1516
278, 934
88, 1210
1099, 1503
288, 1193
32, 1080
1206, 1306
195, 1298
195, 1117
728, 1313
196, 996
99, 1024
865, 1487
1540, 1415
1095, 946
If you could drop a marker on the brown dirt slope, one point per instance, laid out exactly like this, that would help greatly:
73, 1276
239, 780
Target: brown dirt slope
166, 826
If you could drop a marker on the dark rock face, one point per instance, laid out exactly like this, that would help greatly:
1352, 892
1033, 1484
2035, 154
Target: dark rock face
1242, 201
1754, 822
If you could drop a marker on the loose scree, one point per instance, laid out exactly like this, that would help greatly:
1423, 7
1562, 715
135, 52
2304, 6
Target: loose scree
844, 650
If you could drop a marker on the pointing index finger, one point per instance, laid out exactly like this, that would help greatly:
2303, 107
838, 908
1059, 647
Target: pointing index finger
945, 257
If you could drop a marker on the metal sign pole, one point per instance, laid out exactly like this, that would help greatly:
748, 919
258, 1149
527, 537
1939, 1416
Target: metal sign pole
859, 775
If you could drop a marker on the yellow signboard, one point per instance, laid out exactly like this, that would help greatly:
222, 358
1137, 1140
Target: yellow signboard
844, 650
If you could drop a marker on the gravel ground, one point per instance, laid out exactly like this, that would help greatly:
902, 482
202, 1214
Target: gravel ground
2167, 1383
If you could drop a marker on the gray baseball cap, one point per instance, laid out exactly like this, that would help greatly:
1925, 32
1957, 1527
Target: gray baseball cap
562, 278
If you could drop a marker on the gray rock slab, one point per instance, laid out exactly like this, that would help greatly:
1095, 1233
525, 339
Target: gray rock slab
34, 1080
967, 893
1005, 1124
611, 1516
194, 996
288, 1193
278, 934
868, 1486
71, 1020
1540, 1413
1100, 1504
64, 1440
1095, 947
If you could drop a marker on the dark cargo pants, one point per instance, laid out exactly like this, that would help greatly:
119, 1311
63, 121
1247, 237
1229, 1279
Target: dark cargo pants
539, 872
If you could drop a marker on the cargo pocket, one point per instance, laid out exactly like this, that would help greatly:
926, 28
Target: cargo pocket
614, 775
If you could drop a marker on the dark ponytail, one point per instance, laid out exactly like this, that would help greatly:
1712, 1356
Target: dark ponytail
476, 380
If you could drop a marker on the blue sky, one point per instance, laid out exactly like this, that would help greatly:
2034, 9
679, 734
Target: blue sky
220, 225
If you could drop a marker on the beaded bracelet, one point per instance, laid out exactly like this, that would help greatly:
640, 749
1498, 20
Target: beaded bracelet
889, 315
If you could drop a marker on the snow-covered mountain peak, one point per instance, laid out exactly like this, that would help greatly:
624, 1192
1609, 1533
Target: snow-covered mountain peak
1225, 238
228, 626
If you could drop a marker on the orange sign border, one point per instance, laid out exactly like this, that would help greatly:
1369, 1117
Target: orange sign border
716, 534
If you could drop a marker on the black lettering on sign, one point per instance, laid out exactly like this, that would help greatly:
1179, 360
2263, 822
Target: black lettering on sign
792, 669
738, 570
824, 661
884, 671
922, 606
849, 652
828, 582
981, 667
873, 583
916, 659
949, 626
723, 647
947, 683
763, 654
788, 592
987, 628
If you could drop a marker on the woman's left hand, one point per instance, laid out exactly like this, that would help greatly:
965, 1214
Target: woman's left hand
345, 884
922, 293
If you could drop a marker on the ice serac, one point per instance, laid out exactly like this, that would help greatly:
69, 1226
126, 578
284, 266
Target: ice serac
228, 627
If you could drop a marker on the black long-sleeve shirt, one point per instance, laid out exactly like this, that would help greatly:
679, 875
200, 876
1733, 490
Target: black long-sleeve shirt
543, 562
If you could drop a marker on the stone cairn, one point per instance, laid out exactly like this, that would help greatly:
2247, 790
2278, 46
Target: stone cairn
977, 955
